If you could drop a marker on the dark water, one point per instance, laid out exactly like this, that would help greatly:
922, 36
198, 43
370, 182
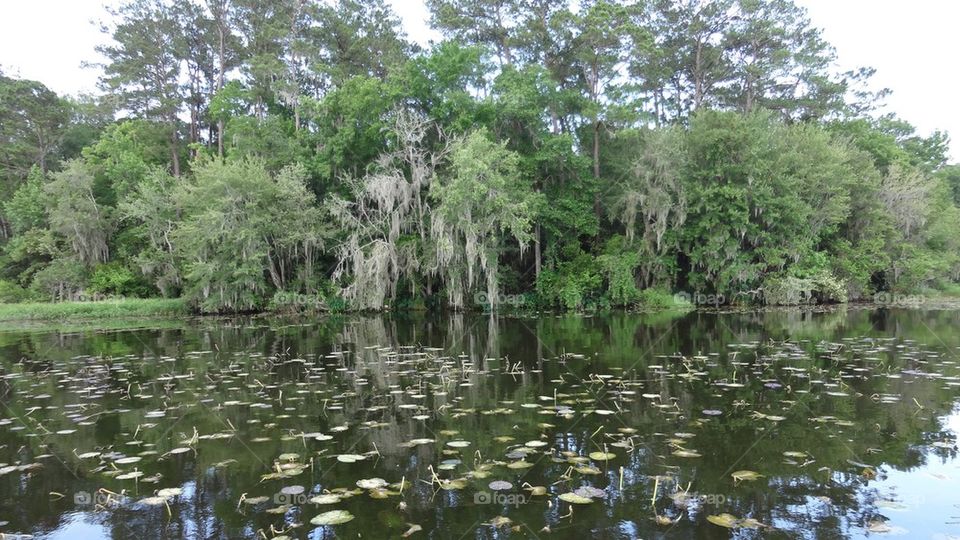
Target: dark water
848, 418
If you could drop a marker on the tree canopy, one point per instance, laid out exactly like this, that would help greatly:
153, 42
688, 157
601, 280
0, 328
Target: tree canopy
573, 155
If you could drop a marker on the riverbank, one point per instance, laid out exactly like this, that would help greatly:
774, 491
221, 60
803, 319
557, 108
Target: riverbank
102, 309
158, 308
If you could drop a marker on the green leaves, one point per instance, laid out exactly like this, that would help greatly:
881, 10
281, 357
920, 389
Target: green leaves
239, 227
479, 205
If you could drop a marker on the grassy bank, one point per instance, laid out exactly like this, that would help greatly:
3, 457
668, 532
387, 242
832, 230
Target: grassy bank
105, 309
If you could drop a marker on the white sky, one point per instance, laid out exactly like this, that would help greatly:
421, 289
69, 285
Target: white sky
913, 46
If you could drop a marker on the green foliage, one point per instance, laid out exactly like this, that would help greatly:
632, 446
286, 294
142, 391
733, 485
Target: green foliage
63, 279
619, 265
104, 309
271, 140
791, 291
123, 156
572, 285
74, 213
349, 125
26, 209
32, 123
115, 279
761, 196
481, 204
11, 293
241, 231
660, 299
601, 153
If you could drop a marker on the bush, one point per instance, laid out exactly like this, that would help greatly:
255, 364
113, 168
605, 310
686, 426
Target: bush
661, 299
573, 285
11, 293
115, 279
619, 264
792, 291
63, 279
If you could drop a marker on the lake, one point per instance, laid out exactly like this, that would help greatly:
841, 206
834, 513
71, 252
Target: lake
829, 423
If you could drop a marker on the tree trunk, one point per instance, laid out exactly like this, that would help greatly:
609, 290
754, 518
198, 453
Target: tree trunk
222, 57
698, 78
220, 138
175, 150
596, 148
536, 251
596, 165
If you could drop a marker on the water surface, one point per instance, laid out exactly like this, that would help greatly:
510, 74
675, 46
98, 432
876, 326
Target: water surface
780, 424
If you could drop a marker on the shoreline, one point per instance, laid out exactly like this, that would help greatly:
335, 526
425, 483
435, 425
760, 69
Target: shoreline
165, 308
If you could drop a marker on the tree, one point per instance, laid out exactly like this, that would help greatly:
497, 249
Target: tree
153, 214
358, 39
650, 199
123, 156
226, 47
387, 219
348, 126
603, 27
32, 123
26, 209
487, 23
479, 205
198, 53
144, 64
242, 232
760, 196
267, 29
74, 213
779, 62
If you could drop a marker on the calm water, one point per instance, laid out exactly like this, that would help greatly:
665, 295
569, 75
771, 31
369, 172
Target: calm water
776, 425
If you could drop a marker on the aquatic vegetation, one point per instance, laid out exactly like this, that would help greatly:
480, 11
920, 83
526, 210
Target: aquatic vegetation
359, 433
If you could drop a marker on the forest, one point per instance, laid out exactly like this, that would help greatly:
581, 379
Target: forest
249, 155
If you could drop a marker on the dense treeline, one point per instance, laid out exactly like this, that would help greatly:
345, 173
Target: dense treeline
244, 153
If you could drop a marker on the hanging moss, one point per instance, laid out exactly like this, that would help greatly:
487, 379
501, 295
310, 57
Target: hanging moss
793, 291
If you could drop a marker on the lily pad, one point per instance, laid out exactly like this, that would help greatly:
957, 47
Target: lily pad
746, 475
573, 498
333, 517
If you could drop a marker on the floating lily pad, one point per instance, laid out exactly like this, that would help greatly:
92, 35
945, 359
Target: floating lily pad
573, 498
327, 498
458, 444
746, 475
333, 517
371, 483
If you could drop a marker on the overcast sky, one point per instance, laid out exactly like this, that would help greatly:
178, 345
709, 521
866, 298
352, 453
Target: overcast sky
913, 46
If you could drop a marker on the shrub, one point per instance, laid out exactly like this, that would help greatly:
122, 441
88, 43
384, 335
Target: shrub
11, 293
792, 291
115, 279
572, 285
660, 299
63, 279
